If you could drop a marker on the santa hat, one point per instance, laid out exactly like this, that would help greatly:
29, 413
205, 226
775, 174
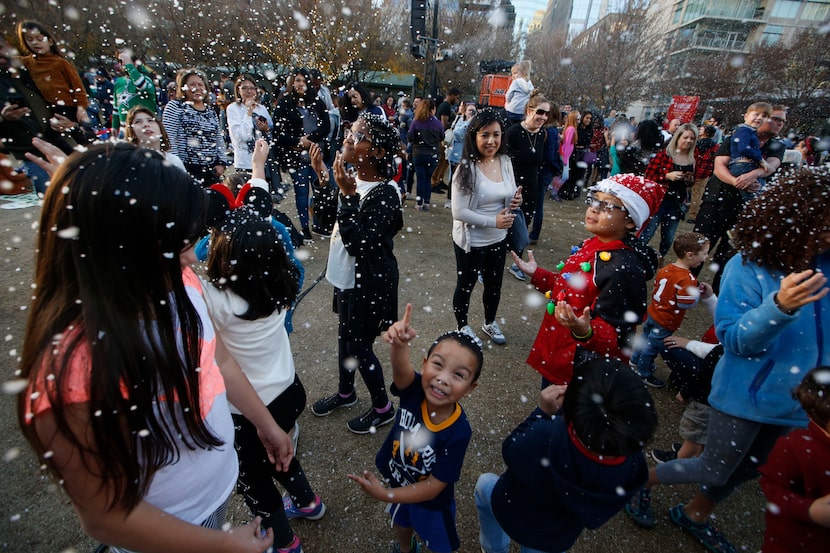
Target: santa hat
641, 197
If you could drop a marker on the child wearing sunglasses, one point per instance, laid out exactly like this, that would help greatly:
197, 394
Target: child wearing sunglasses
598, 295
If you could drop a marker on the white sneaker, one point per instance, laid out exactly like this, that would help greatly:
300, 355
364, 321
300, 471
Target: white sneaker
493, 330
516, 272
468, 330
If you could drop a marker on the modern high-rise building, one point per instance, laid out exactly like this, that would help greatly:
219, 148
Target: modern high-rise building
694, 27
575, 16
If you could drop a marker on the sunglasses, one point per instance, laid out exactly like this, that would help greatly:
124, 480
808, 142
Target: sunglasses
602, 205
356, 136
542, 112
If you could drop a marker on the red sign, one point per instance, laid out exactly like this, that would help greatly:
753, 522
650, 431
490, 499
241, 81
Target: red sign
683, 108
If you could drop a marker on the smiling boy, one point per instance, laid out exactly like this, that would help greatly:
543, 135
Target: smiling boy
598, 295
424, 451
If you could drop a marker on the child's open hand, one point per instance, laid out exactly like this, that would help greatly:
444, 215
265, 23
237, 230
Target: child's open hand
528, 267
401, 332
579, 324
371, 485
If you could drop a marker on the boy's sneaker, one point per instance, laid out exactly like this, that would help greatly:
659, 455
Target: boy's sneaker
516, 272
293, 547
414, 547
327, 405
370, 420
711, 538
314, 512
653, 381
664, 456
493, 330
639, 509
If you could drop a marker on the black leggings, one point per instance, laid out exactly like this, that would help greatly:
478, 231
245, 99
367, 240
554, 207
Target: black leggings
489, 261
257, 473
359, 352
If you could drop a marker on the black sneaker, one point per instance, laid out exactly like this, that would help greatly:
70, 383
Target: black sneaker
661, 456
653, 381
327, 405
711, 538
370, 420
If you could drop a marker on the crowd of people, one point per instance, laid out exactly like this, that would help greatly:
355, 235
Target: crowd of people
154, 392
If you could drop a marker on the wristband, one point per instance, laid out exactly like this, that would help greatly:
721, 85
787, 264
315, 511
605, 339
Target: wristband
584, 337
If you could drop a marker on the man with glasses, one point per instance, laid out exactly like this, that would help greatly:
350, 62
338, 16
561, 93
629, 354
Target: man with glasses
722, 200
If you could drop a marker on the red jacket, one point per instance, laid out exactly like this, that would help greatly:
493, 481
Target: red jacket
796, 474
614, 286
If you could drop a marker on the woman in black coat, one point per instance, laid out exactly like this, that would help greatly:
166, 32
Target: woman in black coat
300, 120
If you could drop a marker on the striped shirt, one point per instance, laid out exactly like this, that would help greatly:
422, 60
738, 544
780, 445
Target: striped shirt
195, 136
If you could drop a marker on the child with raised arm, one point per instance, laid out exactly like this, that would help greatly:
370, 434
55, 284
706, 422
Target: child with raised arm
795, 479
422, 456
675, 290
598, 295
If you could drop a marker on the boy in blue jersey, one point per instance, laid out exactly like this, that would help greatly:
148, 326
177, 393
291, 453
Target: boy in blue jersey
422, 456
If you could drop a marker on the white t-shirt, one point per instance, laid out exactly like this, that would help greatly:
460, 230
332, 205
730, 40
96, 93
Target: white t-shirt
242, 130
261, 346
340, 268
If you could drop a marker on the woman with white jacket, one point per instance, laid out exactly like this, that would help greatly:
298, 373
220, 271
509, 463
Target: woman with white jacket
484, 196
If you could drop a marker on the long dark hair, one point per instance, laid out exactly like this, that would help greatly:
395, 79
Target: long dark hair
352, 112
469, 152
30, 25
310, 94
247, 257
110, 294
781, 227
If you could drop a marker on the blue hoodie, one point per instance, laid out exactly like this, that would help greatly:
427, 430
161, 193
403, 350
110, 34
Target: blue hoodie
766, 351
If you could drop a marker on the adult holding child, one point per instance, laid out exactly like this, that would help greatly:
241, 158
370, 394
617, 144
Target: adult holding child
526, 148
724, 198
484, 198
361, 265
772, 319
194, 130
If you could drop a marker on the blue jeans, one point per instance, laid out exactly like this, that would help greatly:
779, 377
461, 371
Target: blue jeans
545, 179
669, 215
302, 177
425, 165
492, 537
653, 335
37, 175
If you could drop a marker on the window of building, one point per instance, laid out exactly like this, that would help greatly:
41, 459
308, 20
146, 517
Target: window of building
694, 9
786, 9
678, 11
772, 34
816, 10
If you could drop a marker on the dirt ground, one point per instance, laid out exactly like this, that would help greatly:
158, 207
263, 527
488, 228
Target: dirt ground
36, 517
